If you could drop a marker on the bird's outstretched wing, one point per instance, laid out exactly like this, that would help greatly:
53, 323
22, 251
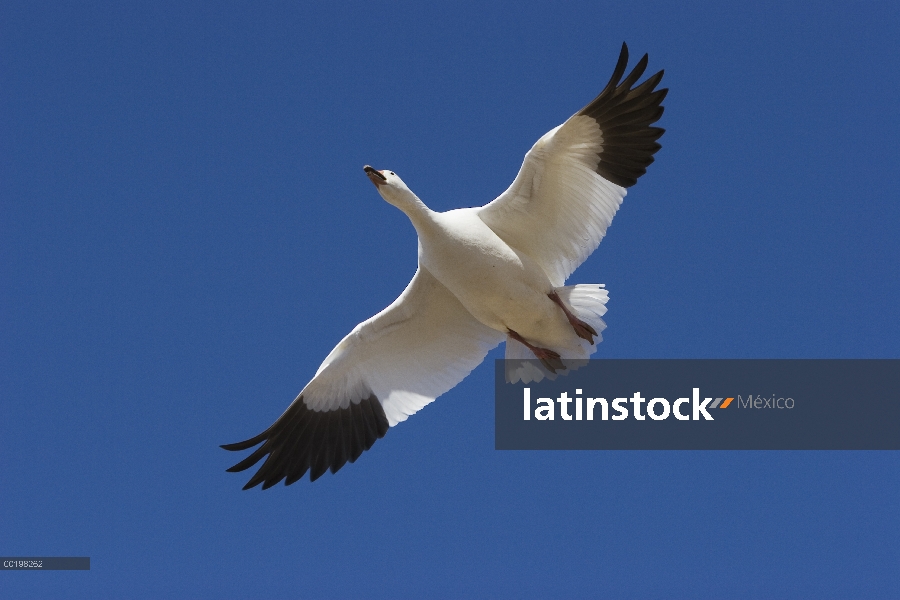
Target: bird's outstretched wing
386, 369
574, 178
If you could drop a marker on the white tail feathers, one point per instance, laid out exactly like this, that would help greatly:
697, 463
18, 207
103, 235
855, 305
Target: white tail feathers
588, 303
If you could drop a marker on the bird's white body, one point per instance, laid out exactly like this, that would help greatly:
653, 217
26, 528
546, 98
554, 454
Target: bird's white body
500, 286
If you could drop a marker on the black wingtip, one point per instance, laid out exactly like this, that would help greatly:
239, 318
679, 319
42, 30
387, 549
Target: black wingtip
246, 444
625, 113
610, 87
308, 441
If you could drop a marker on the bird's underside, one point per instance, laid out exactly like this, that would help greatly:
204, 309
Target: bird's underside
441, 327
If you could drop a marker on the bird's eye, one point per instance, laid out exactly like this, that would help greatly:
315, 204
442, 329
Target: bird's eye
391, 172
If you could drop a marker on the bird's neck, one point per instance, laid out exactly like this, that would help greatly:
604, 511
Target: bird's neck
421, 216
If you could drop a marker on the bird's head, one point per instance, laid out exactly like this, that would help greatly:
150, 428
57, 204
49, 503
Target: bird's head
390, 186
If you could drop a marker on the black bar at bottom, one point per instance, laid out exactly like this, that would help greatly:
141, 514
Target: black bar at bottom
45, 563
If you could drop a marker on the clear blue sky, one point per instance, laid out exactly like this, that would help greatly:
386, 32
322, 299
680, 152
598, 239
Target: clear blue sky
186, 231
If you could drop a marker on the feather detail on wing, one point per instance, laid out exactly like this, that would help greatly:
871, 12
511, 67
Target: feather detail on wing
573, 179
386, 369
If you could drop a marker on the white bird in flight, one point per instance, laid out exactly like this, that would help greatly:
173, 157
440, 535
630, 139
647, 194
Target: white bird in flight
485, 274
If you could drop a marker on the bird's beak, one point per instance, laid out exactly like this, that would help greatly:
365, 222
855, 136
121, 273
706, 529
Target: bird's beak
375, 177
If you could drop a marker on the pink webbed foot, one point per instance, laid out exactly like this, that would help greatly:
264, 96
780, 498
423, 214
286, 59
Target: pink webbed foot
548, 358
582, 329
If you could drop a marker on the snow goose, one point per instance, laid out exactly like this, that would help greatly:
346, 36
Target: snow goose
485, 274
